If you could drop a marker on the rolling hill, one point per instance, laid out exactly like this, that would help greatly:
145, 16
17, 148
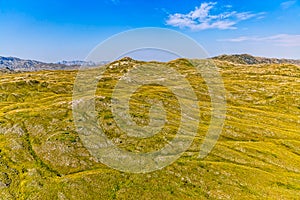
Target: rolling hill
256, 157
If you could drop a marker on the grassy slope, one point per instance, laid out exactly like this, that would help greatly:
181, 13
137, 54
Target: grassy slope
257, 156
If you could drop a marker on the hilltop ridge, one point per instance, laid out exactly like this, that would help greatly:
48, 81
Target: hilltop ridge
13, 64
248, 59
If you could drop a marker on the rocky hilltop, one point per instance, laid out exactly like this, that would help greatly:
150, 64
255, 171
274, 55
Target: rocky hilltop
252, 60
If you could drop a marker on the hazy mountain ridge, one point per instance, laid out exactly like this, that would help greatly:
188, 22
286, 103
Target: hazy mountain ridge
81, 63
13, 64
17, 64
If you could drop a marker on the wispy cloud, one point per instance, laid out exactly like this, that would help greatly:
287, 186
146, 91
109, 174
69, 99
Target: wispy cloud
285, 40
115, 1
202, 18
287, 4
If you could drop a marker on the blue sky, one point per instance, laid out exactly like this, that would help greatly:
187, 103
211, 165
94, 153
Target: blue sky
68, 30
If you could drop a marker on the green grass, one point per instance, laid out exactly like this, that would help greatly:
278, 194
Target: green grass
256, 157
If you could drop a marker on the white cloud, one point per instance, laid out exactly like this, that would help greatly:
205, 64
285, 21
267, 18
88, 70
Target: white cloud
201, 18
287, 4
285, 40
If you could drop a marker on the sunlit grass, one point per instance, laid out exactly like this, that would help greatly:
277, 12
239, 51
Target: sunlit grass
256, 157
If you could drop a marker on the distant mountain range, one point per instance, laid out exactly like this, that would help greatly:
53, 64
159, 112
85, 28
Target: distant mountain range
12, 64
79, 63
17, 64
